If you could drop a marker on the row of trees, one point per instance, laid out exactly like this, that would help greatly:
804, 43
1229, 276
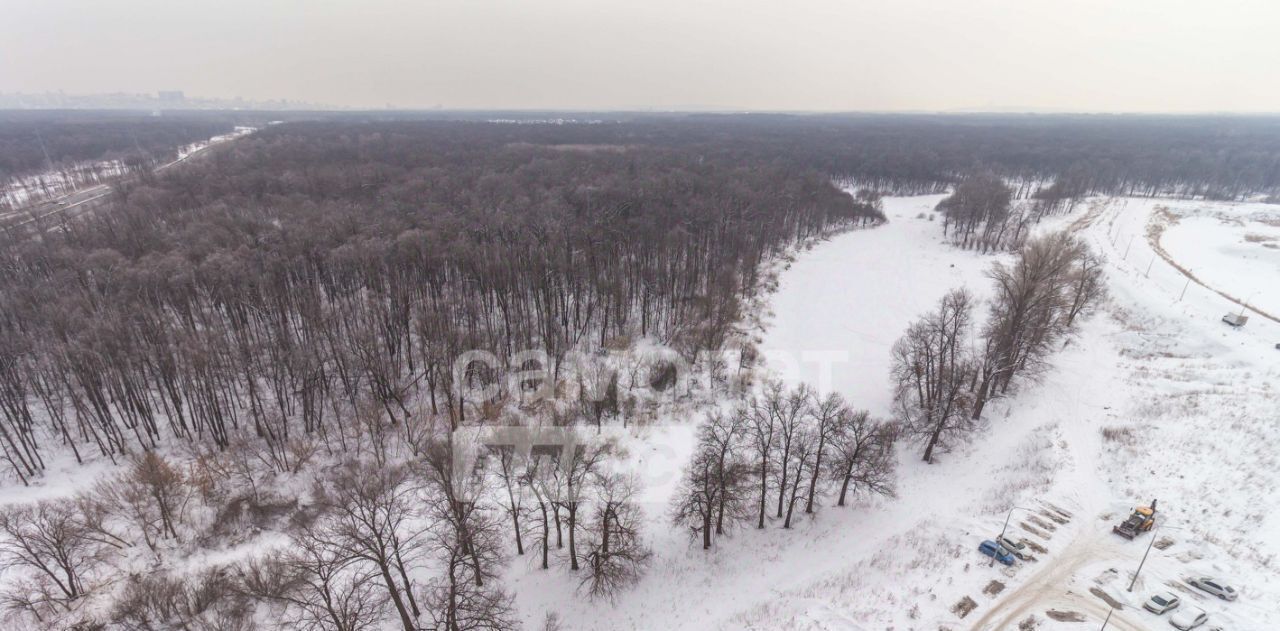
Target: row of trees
984, 213
782, 450
979, 214
944, 377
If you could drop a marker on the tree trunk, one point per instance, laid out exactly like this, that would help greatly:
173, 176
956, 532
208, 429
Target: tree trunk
573, 523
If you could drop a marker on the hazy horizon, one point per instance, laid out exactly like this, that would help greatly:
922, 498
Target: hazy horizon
572, 55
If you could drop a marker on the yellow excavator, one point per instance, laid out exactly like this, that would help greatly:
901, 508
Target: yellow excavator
1142, 520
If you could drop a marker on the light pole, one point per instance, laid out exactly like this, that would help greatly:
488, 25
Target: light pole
1000, 539
1104, 622
1144, 554
1246, 302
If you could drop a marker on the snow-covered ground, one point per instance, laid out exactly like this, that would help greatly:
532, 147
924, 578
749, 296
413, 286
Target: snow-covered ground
1155, 398
1233, 247
21, 191
855, 295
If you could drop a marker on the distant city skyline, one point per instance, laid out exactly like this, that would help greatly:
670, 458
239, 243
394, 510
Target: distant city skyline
162, 99
813, 55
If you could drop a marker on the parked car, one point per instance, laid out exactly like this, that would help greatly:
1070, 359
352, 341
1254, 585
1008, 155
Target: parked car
1214, 586
1162, 602
996, 551
1016, 548
1189, 618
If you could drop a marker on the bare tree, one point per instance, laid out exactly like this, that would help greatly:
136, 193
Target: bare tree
539, 478
827, 414
324, 587
715, 484
803, 446
1087, 285
583, 462
371, 516
616, 555
464, 537
166, 486
864, 456
932, 370
511, 475
151, 495
49, 544
764, 429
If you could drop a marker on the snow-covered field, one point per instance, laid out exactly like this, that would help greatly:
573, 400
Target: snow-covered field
1156, 398
1233, 247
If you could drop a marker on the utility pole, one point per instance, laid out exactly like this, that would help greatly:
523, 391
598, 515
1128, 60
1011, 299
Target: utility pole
1144, 554
1104, 622
1184, 287
1144, 558
1126, 248
1153, 260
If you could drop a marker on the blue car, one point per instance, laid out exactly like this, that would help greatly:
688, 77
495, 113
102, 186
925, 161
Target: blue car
996, 551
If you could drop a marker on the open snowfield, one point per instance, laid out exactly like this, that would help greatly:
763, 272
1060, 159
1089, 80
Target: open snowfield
1233, 247
1154, 399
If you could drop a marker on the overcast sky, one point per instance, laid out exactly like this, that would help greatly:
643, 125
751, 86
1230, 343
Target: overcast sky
1074, 55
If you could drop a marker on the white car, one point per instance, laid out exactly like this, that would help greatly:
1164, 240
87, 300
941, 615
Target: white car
1189, 618
1162, 602
1016, 548
1214, 586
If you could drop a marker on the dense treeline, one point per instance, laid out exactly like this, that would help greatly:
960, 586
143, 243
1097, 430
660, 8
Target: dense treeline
40, 141
315, 271
1219, 157
292, 307
1073, 155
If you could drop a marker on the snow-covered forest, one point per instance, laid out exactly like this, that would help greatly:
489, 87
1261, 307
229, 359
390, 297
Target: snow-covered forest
656, 371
